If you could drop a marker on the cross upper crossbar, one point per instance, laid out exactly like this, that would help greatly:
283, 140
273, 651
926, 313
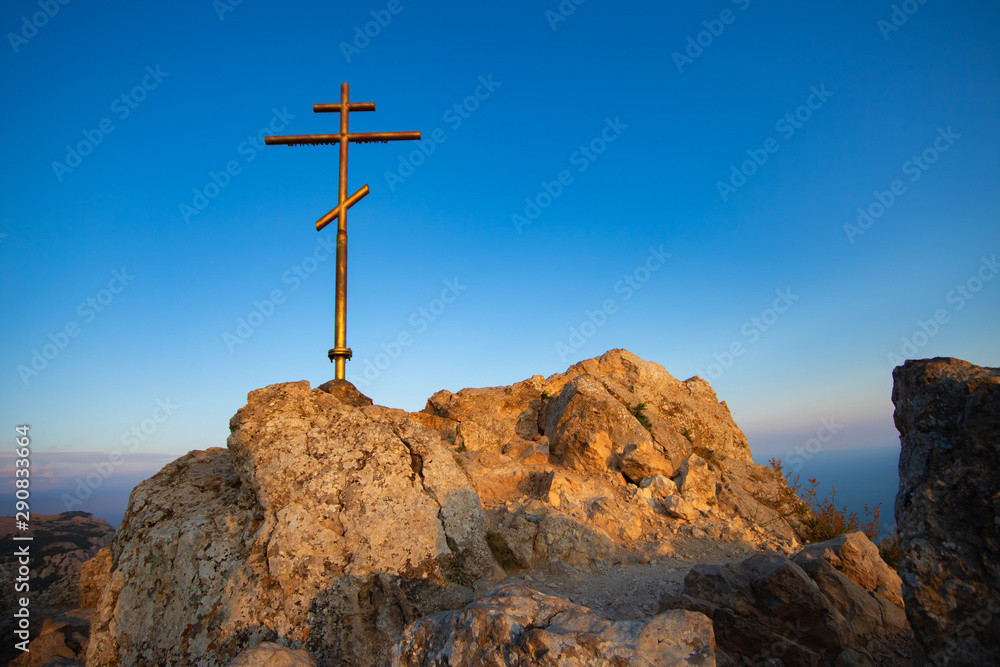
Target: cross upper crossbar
354, 137
340, 352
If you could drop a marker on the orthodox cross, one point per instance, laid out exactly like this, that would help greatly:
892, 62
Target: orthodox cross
340, 352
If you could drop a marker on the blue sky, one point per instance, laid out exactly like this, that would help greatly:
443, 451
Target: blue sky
739, 138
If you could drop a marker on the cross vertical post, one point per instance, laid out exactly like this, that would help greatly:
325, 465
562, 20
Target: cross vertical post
340, 352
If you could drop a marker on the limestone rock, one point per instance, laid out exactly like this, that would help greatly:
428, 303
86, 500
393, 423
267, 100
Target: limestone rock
94, 577
697, 482
331, 525
593, 455
760, 496
948, 507
767, 607
513, 538
325, 524
679, 508
609, 514
854, 555
641, 460
659, 486
483, 433
517, 405
345, 392
514, 625
674, 408
583, 409
561, 537
269, 654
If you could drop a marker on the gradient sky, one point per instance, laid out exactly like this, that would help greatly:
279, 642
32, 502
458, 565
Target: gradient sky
680, 125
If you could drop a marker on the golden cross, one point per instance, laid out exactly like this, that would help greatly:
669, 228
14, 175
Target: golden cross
340, 352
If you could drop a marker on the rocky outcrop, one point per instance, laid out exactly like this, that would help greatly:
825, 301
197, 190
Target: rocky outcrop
61, 544
61, 642
514, 625
338, 527
610, 423
326, 524
854, 555
948, 507
801, 611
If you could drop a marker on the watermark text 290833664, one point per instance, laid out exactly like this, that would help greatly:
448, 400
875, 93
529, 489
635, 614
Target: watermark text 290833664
22, 552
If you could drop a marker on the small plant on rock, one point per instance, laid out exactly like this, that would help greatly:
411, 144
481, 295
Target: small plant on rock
638, 413
708, 455
822, 520
890, 549
455, 572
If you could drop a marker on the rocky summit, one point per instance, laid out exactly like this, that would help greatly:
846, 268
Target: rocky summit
948, 508
608, 515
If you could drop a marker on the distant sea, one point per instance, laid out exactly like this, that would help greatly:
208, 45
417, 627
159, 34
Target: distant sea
860, 476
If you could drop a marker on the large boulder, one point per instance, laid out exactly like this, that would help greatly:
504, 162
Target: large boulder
517, 405
948, 507
767, 607
697, 481
583, 409
328, 525
514, 625
857, 558
682, 415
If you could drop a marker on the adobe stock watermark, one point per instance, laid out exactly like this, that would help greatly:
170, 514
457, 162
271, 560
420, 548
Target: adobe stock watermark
629, 284
381, 18
37, 21
752, 330
137, 434
915, 167
455, 116
220, 180
87, 310
787, 126
959, 297
223, 7
563, 11
294, 277
581, 158
804, 452
900, 15
122, 106
968, 630
777, 650
419, 321
714, 28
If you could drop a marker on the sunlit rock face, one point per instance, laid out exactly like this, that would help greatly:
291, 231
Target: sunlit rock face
326, 524
362, 535
948, 507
